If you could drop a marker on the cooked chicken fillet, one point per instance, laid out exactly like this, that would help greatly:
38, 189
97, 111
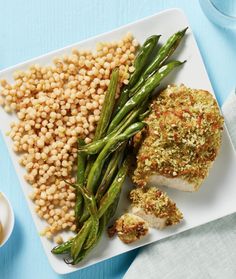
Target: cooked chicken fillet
155, 207
182, 139
129, 228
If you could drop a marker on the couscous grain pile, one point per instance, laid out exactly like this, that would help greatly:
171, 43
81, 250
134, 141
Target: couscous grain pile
55, 105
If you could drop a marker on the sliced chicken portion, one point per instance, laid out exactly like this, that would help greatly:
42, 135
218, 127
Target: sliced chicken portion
155, 207
176, 183
129, 228
181, 141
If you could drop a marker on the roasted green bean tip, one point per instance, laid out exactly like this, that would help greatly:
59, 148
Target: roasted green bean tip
184, 30
62, 248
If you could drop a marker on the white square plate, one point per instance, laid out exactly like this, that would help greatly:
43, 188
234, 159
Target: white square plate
215, 199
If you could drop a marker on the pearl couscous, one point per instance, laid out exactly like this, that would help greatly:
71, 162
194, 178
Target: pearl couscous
55, 105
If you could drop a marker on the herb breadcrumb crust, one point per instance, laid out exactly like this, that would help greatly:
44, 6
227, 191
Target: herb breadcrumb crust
181, 141
150, 207
155, 207
129, 228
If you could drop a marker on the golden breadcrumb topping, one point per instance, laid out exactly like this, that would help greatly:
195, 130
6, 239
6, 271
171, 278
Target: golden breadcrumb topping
183, 136
129, 228
154, 201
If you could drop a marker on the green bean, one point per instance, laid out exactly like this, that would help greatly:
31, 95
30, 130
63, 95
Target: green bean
105, 183
90, 162
143, 93
96, 146
81, 162
129, 119
163, 54
103, 222
106, 113
92, 234
91, 206
80, 238
89, 200
142, 58
123, 98
112, 209
109, 174
62, 248
108, 106
144, 114
114, 190
84, 252
88, 233
111, 168
106, 180
111, 146
105, 204
78, 208
139, 63
85, 215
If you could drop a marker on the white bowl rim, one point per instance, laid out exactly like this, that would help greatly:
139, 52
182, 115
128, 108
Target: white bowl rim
12, 219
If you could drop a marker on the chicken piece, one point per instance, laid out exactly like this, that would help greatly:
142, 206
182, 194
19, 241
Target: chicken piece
182, 140
129, 228
155, 207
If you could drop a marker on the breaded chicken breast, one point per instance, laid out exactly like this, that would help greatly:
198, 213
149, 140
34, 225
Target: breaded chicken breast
182, 139
155, 207
129, 228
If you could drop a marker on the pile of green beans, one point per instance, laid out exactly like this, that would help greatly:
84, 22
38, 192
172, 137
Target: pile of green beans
103, 164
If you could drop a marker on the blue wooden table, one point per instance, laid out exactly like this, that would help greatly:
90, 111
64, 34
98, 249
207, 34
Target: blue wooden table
30, 28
